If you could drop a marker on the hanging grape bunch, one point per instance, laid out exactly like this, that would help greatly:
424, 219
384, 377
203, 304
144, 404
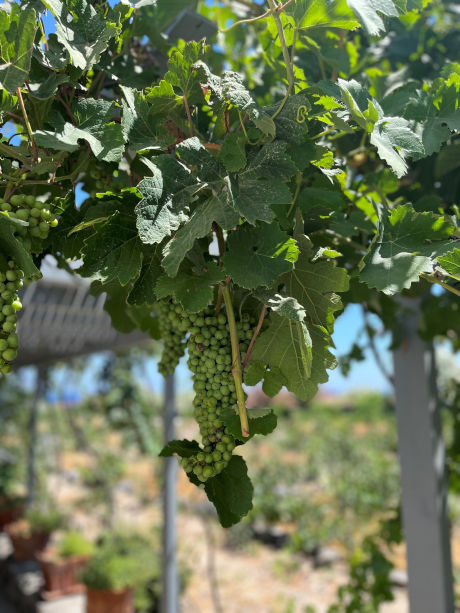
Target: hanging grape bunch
169, 316
39, 219
210, 360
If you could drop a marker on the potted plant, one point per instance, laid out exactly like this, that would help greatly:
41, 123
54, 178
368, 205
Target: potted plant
11, 505
32, 533
61, 566
120, 569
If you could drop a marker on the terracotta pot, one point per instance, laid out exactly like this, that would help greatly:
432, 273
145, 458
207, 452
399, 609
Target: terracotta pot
61, 575
78, 565
26, 547
10, 510
10, 514
108, 601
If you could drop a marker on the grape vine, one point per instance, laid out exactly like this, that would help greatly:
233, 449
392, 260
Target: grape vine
233, 222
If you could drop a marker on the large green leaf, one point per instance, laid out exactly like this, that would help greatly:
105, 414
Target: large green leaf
230, 90
143, 291
231, 492
93, 123
407, 245
451, 263
368, 11
199, 225
114, 252
286, 345
143, 116
395, 141
166, 196
17, 35
81, 30
194, 291
258, 256
314, 283
180, 73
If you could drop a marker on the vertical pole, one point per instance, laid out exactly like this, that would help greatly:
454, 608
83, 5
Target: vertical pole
170, 579
423, 477
40, 388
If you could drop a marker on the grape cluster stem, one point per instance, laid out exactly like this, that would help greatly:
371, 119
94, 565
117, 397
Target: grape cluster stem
237, 371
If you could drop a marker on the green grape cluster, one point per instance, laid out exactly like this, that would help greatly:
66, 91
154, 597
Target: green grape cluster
170, 319
10, 283
39, 221
210, 360
38, 216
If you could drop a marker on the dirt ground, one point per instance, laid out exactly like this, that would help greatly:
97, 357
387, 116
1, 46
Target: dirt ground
254, 578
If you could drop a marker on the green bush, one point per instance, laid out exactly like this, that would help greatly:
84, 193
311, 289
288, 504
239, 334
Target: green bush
73, 544
41, 520
124, 560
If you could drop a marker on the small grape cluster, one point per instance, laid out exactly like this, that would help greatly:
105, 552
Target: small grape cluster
10, 283
35, 213
210, 360
170, 319
39, 221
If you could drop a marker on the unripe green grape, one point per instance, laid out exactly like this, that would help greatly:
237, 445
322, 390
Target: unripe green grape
23, 214
9, 354
29, 200
16, 200
13, 340
3, 344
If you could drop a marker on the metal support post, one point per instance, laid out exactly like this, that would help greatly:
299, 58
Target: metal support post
170, 599
423, 475
40, 389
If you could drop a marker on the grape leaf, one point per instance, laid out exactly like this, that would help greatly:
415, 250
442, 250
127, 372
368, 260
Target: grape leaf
395, 141
314, 283
272, 160
258, 256
81, 30
12, 248
49, 87
261, 421
252, 198
291, 124
451, 263
180, 73
194, 154
17, 35
165, 199
144, 115
143, 291
114, 252
368, 11
193, 291
183, 448
286, 345
287, 306
407, 245
199, 225
94, 124
232, 154
320, 13
231, 492
229, 89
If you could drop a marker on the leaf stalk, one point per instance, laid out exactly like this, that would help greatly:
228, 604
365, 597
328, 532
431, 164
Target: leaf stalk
28, 126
